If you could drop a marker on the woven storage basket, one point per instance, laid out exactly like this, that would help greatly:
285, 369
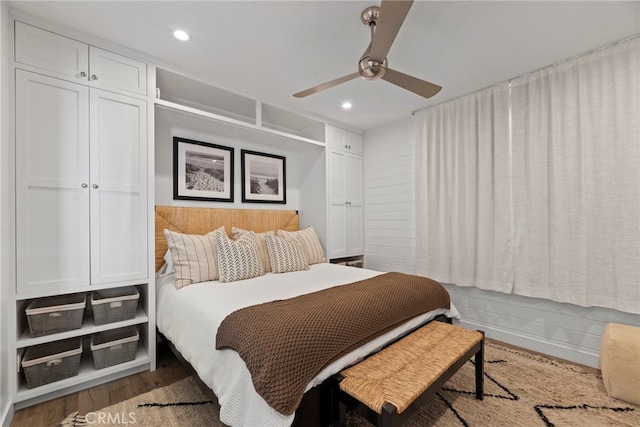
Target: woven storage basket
114, 305
113, 347
51, 315
50, 362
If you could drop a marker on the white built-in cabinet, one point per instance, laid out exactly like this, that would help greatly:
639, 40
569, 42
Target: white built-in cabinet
68, 58
82, 190
81, 186
345, 190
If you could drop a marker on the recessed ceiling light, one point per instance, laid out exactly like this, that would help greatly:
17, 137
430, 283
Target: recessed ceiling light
181, 35
346, 105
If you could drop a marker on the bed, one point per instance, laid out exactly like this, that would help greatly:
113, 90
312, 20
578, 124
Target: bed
190, 317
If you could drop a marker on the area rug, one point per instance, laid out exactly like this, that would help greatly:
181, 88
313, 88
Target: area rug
521, 389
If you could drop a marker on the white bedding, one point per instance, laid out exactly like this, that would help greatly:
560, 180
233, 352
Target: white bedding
190, 317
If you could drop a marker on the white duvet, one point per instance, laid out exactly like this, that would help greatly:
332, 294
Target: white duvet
190, 317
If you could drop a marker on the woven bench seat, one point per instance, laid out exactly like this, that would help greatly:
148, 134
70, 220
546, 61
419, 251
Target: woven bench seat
394, 382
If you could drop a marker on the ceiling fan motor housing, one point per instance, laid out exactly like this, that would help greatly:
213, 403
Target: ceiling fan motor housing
370, 69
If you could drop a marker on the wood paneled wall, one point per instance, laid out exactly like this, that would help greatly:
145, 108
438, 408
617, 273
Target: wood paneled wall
389, 194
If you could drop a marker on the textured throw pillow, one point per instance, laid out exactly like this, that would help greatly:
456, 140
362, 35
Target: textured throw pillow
194, 257
261, 241
286, 254
310, 243
238, 259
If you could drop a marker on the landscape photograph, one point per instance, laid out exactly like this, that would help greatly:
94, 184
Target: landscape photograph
263, 177
202, 171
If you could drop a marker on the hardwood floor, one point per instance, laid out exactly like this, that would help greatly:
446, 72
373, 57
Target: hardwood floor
169, 370
50, 413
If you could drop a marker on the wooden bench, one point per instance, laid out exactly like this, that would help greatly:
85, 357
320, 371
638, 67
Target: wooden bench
388, 387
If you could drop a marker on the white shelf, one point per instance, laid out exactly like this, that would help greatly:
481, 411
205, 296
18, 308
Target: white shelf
88, 327
179, 92
212, 116
86, 374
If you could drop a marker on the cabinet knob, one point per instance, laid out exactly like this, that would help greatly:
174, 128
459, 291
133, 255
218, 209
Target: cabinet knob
348, 147
94, 77
84, 185
95, 185
83, 74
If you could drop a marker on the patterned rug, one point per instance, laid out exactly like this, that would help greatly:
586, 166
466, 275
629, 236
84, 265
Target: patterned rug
521, 389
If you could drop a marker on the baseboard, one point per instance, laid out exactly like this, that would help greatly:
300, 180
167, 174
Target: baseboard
7, 416
555, 349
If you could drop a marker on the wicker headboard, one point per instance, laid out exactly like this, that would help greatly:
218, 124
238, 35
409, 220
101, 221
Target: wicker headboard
204, 220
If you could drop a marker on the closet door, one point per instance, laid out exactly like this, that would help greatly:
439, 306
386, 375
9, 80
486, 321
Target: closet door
52, 177
52, 52
112, 71
338, 219
118, 188
355, 204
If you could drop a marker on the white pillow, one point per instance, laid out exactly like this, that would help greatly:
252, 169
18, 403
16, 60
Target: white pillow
286, 254
261, 241
167, 268
310, 243
193, 256
238, 259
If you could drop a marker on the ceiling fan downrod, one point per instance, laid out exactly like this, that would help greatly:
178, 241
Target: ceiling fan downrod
367, 68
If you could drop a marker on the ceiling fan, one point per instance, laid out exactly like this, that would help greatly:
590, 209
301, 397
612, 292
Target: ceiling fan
384, 22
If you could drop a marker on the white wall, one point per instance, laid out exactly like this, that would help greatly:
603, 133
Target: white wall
169, 124
561, 330
389, 198
5, 291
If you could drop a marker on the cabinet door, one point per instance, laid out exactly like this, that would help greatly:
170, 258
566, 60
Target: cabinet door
355, 204
112, 71
118, 188
52, 172
335, 138
353, 142
337, 164
52, 52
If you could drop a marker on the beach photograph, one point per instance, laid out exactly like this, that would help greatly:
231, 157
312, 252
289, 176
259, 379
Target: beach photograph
263, 177
202, 171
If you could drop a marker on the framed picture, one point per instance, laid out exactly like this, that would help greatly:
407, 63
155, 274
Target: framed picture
202, 171
263, 178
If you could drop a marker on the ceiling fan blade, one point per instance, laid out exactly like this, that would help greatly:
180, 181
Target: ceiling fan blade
392, 14
410, 83
326, 85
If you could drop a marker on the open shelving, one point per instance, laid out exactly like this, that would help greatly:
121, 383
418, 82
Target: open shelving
86, 374
186, 95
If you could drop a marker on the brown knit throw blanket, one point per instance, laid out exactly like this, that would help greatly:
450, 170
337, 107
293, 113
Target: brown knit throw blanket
286, 343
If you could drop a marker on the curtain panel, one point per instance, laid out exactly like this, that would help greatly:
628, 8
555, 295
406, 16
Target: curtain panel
463, 195
576, 180
532, 187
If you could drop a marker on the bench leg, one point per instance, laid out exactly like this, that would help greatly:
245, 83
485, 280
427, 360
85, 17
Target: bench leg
388, 414
480, 370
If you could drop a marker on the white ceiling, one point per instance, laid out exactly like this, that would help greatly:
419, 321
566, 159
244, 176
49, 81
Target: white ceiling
271, 49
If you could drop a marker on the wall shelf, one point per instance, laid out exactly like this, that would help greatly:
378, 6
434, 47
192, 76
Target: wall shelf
179, 93
87, 373
88, 327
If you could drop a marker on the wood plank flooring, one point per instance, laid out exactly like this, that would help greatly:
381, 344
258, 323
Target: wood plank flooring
169, 370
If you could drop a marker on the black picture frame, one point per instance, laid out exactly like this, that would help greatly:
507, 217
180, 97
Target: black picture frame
193, 180
264, 177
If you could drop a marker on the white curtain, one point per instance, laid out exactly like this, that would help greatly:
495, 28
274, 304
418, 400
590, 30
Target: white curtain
576, 178
463, 197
